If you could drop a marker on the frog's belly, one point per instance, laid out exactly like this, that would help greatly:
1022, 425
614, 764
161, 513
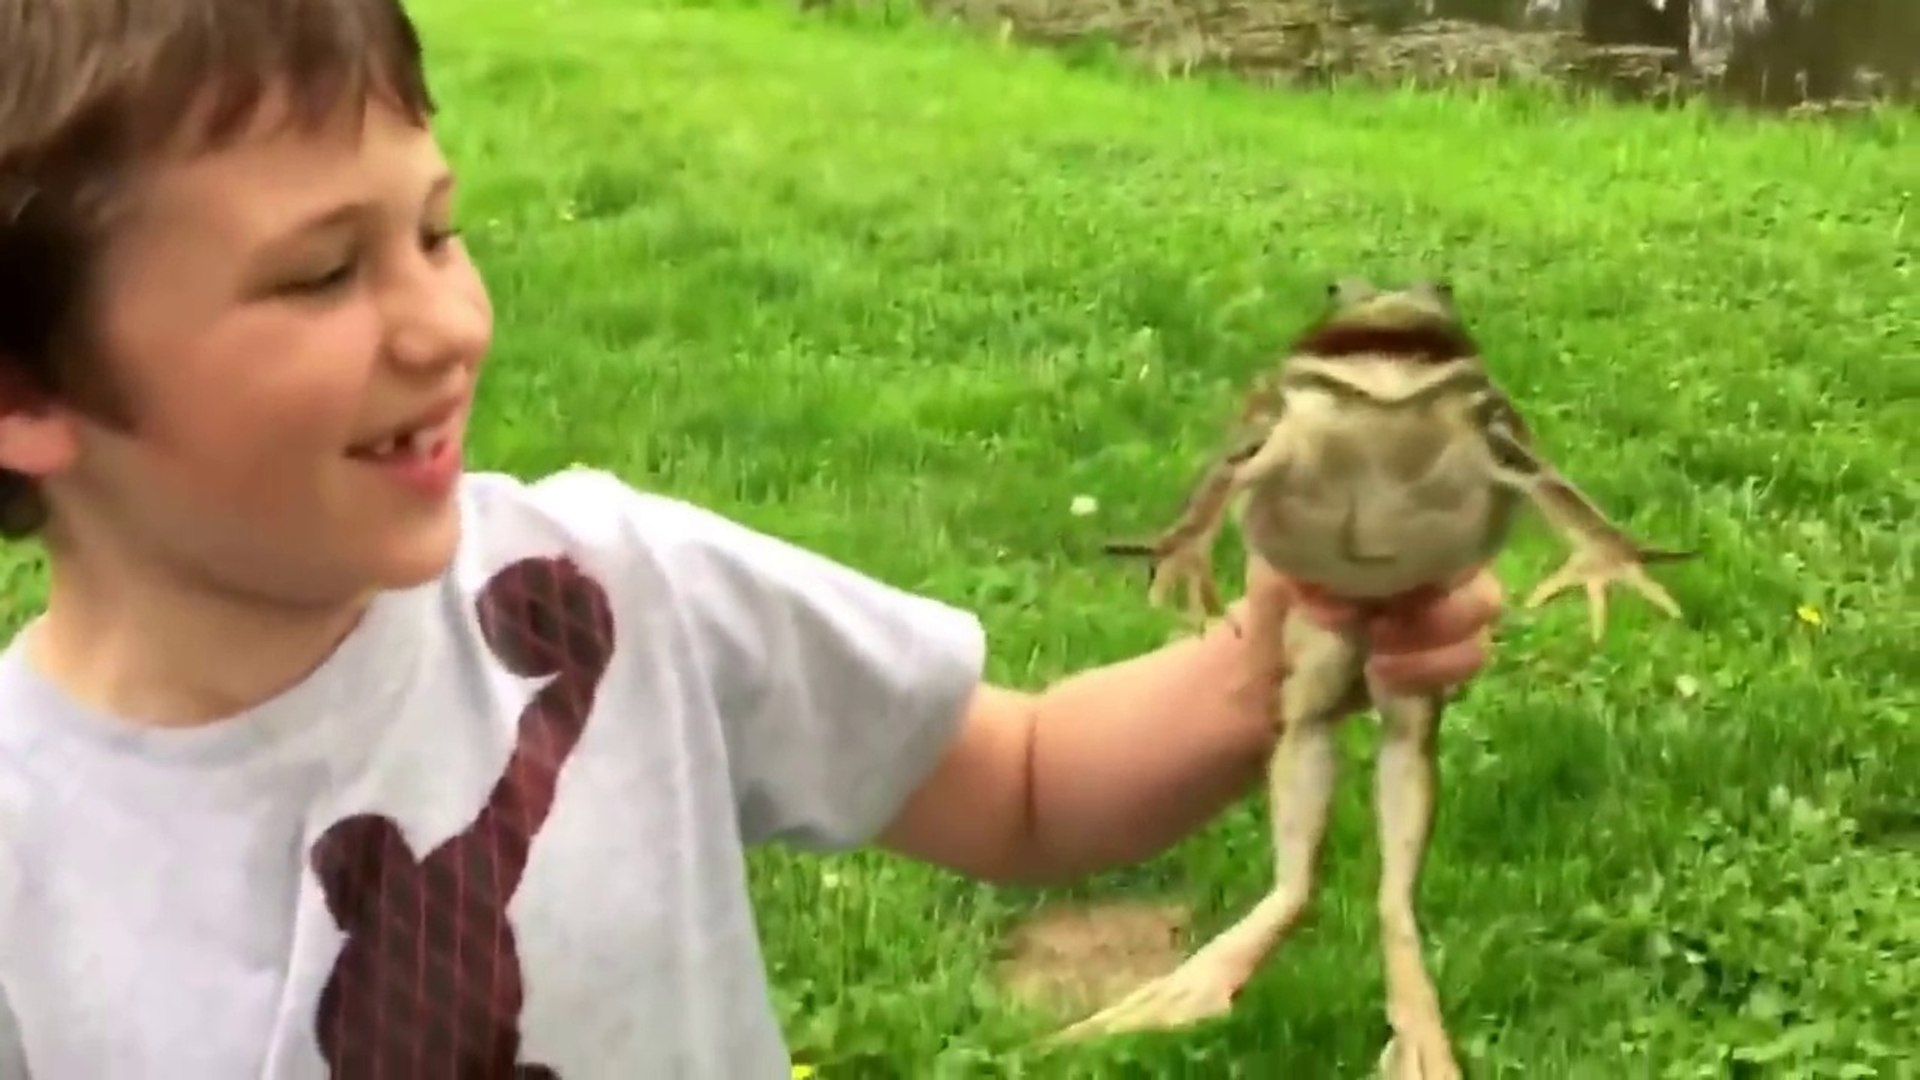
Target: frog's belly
1359, 526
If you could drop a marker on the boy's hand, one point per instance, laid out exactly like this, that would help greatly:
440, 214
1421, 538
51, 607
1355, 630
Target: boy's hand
1432, 640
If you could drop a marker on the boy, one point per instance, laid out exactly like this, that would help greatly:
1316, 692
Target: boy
326, 758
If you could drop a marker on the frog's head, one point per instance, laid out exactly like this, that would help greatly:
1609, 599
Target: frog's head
1418, 321
1360, 300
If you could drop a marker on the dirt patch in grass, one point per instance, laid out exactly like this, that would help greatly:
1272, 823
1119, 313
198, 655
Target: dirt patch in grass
1070, 959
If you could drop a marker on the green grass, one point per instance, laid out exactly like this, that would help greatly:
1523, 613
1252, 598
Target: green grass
902, 295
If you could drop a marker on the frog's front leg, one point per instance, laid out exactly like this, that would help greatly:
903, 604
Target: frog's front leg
1601, 551
1182, 555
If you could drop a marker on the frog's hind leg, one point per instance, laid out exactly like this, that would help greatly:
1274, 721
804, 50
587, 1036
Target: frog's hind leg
1405, 791
1301, 777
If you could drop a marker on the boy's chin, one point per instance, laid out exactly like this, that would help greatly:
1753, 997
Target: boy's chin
416, 556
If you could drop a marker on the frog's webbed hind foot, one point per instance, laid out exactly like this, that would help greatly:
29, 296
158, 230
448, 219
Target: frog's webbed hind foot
1598, 561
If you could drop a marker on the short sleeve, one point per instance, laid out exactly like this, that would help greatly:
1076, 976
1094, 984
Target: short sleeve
13, 1051
837, 692
13, 1054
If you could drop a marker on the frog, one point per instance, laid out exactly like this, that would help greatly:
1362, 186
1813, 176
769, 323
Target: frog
1377, 460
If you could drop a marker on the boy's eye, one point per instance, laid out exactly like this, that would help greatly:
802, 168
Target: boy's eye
433, 239
322, 282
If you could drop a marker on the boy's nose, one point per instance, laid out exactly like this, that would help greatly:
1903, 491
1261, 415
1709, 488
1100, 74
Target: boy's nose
438, 327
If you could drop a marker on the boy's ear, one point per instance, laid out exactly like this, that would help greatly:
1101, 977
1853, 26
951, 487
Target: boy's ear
38, 436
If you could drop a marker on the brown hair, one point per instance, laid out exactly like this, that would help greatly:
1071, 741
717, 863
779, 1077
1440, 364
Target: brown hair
92, 90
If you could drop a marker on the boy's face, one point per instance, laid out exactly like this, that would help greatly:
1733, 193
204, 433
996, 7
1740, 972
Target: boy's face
273, 315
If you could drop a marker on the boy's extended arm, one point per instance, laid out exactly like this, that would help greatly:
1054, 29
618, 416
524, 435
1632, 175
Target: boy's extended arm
1115, 764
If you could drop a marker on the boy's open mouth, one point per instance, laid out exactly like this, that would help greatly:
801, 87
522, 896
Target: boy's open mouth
421, 439
421, 456
413, 444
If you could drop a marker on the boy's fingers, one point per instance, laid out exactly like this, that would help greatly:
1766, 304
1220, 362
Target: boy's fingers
1434, 669
1323, 607
1440, 620
1421, 619
1274, 592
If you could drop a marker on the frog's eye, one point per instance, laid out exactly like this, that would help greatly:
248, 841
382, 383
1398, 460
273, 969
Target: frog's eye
1351, 290
1439, 289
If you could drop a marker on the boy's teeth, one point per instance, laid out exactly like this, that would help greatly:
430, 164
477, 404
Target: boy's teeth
407, 442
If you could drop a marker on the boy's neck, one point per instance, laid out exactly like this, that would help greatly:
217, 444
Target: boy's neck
162, 652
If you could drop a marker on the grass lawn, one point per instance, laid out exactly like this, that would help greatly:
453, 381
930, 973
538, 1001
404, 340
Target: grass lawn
903, 296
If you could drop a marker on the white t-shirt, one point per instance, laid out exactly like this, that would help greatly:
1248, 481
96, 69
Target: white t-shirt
499, 833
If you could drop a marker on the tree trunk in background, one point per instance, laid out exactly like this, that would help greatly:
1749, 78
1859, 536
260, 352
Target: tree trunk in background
1813, 49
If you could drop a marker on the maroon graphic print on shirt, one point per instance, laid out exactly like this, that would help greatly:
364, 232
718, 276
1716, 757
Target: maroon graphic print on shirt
428, 981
